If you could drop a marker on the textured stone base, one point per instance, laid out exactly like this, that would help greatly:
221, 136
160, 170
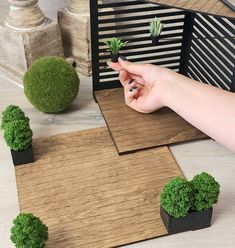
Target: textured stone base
19, 49
75, 30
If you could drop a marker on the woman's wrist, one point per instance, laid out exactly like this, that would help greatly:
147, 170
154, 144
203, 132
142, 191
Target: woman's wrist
165, 88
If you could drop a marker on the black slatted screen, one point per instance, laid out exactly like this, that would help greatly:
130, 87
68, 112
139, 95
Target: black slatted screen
212, 53
197, 45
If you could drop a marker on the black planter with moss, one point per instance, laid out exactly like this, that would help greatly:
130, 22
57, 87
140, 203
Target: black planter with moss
22, 157
194, 220
18, 135
187, 205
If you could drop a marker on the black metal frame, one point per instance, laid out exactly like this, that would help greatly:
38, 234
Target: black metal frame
200, 46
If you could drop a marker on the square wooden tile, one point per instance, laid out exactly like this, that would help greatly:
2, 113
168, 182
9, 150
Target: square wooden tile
133, 131
91, 197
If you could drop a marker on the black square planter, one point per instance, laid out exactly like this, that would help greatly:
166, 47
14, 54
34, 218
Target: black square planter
192, 221
22, 157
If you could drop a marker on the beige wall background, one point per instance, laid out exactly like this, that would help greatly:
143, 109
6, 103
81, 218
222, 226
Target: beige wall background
50, 8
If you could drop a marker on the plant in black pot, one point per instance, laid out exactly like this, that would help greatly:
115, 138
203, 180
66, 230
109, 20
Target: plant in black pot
114, 46
187, 205
29, 231
155, 29
18, 136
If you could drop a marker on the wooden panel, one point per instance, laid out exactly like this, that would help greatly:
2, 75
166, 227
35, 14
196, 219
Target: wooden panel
91, 197
212, 7
134, 131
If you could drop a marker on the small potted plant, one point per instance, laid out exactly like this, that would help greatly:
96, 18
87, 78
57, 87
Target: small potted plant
18, 136
187, 205
29, 231
12, 113
155, 29
114, 46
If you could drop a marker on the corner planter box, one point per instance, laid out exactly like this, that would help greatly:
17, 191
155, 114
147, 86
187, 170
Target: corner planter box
192, 221
22, 157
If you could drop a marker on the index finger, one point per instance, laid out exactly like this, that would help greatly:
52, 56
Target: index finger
115, 66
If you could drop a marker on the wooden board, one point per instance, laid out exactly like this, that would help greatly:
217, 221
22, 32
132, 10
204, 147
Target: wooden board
212, 7
133, 131
230, 3
91, 197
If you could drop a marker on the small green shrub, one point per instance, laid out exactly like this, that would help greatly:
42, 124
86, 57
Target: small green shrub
114, 45
51, 84
12, 113
28, 232
177, 197
155, 27
18, 135
206, 191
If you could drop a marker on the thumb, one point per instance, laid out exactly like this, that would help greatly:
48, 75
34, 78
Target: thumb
137, 69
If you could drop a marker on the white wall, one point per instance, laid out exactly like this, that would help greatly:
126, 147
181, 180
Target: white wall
49, 8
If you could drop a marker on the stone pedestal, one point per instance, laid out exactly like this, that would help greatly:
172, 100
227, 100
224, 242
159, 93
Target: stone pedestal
25, 36
74, 22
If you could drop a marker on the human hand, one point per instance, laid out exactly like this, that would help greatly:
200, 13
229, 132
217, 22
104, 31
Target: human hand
143, 84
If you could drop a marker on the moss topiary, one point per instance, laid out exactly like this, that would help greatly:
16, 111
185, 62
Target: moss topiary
28, 232
12, 113
51, 84
206, 191
177, 197
18, 135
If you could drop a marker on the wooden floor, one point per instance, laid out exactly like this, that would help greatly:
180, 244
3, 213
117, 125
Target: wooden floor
89, 196
133, 131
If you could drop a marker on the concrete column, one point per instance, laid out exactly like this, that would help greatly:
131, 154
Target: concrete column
25, 36
74, 22
24, 14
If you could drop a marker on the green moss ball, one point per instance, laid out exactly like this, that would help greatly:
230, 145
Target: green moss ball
51, 84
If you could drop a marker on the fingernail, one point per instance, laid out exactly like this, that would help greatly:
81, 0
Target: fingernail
131, 81
123, 58
134, 88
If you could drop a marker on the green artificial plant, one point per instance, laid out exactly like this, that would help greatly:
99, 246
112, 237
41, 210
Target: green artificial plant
177, 197
51, 84
180, 196
206, 191
114, 45
12, 113
155, 27
28, 231
18, 135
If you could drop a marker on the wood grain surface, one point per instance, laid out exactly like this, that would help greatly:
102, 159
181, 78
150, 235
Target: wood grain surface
135, 131
213, 7
89, 196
